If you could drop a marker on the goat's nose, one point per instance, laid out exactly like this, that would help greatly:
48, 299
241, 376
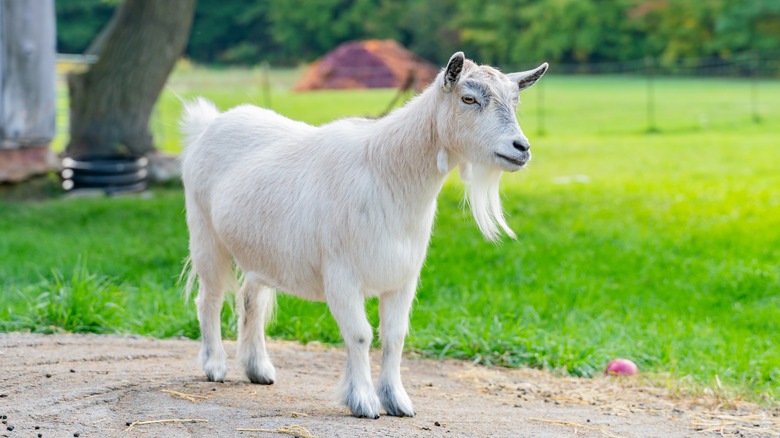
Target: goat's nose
521, 145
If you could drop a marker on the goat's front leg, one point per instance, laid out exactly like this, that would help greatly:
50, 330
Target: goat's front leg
348, 308
393, 326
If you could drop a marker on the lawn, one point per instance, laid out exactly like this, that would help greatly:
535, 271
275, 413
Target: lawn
660, 247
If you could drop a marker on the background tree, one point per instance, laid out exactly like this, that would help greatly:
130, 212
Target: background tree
504, 32
78, 21
110, 103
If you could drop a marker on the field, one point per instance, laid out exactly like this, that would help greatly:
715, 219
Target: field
662, 246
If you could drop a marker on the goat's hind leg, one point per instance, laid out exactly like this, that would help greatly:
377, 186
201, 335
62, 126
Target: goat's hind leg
212, 355
213, 265
393, 326
255, 305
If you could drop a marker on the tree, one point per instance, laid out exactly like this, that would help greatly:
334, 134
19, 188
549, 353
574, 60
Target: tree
110, 103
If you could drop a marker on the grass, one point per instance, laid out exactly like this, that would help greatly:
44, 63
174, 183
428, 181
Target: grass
665, 249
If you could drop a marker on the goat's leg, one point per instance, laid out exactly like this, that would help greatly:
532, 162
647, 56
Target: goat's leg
212, 354
255, 305
393, 326
348, 308
212, 262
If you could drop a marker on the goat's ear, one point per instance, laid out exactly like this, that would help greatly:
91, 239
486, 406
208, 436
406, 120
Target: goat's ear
527, 78
453, 71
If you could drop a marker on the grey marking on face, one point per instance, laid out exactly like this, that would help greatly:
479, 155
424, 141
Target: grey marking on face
506, 113
480, 91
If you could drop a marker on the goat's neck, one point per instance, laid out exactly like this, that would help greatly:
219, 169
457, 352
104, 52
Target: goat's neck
405, 149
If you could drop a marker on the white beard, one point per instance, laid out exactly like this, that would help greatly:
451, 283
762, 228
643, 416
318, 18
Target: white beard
485, 201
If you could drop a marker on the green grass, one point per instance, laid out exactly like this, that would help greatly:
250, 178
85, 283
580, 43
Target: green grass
669, 255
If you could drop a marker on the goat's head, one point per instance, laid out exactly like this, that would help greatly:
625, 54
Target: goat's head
479, 131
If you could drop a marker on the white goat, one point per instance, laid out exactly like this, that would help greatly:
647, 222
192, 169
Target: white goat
340, 212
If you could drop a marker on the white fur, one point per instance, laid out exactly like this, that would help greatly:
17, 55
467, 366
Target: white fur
338, 213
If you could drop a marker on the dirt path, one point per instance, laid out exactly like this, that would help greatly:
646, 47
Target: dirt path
96, 385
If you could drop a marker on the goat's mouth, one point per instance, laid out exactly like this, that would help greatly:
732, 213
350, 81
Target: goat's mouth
514, 161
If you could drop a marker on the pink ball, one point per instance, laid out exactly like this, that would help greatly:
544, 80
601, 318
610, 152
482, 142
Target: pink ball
621, 367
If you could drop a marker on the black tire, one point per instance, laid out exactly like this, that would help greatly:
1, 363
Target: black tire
107, 179
106, 165
112, 175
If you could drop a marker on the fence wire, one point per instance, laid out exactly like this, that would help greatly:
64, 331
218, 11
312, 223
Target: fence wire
752, 78
641, 87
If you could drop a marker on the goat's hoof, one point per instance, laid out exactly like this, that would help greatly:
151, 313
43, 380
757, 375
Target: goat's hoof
215, 367
372, 416
258, 368
395, 400
262, 373
260, 379
364, 405
216, 373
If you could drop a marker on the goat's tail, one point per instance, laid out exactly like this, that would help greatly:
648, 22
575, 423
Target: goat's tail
198, 114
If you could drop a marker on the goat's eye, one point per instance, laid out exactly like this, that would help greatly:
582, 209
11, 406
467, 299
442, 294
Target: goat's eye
468, 100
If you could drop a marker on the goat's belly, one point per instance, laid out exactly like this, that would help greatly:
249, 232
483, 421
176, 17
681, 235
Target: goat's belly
280, 267
301, 286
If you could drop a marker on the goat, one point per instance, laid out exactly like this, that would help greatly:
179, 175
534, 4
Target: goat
339, 213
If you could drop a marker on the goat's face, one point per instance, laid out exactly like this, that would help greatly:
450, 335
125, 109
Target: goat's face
479, 116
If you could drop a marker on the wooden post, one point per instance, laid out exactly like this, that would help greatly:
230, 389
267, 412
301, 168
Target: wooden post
27, 81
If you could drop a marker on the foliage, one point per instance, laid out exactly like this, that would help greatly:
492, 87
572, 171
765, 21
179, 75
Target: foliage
79, 21
502, 32
661, 248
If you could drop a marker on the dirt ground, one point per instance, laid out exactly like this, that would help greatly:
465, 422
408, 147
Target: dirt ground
99, 386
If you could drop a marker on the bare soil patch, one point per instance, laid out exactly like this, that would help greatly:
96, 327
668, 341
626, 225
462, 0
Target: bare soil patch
100, 386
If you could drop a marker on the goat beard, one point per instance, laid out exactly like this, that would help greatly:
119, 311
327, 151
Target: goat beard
484, 200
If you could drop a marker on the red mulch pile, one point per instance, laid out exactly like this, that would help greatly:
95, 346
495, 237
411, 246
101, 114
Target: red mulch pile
368, 64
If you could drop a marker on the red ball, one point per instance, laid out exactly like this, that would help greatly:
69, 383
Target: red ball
621, 367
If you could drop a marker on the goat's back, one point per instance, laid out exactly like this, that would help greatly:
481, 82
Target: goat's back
282, 196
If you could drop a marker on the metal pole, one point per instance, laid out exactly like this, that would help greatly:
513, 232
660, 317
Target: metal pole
754, 87
266, 84
540, 108
649, 67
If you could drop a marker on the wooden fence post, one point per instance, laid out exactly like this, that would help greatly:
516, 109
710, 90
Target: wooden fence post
27, 87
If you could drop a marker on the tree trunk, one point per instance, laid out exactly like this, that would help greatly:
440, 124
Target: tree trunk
110, 104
